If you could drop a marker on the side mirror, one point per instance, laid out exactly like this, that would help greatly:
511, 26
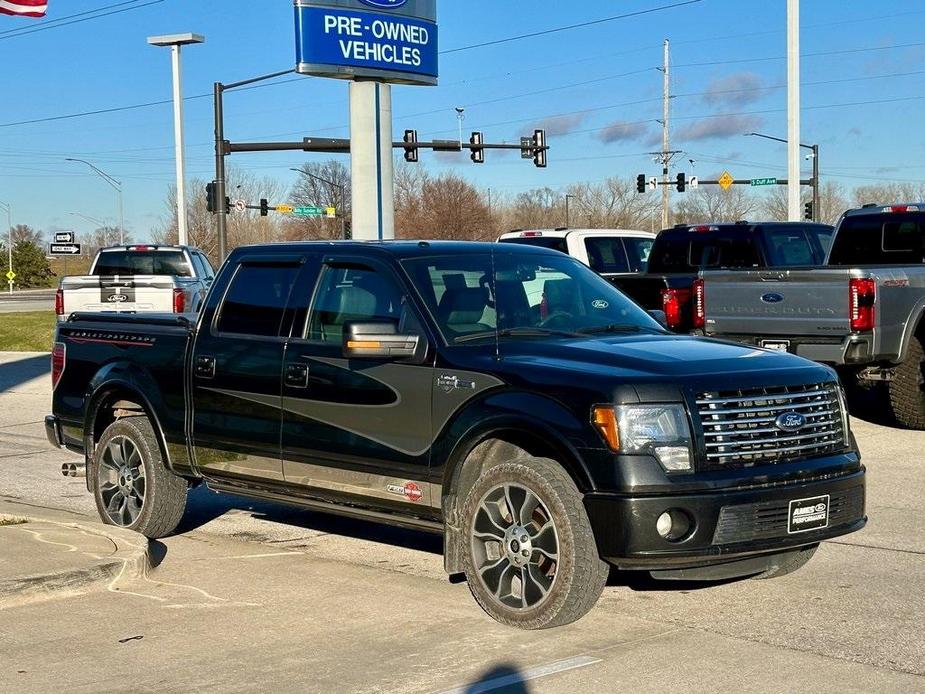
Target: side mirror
378, 340
660, 316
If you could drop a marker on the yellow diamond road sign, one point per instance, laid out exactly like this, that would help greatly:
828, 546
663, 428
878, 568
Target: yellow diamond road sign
726, 180
11, 275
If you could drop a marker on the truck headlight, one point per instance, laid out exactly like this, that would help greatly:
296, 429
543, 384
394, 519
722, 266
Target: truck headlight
659, 430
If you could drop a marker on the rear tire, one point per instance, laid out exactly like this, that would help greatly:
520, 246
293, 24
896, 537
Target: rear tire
907, 397
789, 564
131, 484
531, 559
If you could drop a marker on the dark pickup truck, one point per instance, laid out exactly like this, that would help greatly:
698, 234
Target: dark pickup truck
671, 283
506, 397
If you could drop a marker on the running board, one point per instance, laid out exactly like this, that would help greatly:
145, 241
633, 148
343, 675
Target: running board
356, 512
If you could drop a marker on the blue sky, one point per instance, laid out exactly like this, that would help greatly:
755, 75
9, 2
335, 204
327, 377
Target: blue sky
596, 89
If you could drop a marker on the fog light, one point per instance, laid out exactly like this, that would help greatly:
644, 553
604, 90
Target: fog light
663, 525
674, 524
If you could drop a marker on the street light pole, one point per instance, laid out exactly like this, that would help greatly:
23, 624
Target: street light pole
343, 196
9, 222
815, 180
567, 218
175, 41
115, 184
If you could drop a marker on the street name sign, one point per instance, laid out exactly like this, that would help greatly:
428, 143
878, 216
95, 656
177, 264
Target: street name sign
764, 181
393, 41
64, 249
309, 211
726, 180
64, 237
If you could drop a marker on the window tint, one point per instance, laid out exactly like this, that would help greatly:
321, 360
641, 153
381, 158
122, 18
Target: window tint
690, 255
638, 250
198, 265
786, 247
143, 263
256, 299
472, 295
884, 239
556, 243
348, 294
206, 265
606, 254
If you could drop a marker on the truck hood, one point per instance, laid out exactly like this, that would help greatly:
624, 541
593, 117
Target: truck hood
684, 360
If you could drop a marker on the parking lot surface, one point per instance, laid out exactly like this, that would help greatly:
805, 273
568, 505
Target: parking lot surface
254, 596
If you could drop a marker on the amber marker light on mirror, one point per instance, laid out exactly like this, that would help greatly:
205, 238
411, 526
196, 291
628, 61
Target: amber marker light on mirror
605, 420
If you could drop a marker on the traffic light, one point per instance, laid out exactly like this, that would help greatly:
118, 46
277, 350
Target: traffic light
475, 144
211, 204
808, 211
641, 183
682, 182
411, 140
264, 207
539, 149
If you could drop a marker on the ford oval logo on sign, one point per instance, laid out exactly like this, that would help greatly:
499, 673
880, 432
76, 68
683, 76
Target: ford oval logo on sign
384, 4
790, 422
772, 298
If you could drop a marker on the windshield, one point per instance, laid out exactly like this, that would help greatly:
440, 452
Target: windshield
142, 263
525, 295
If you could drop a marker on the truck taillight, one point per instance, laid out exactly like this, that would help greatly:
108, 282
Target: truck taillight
59, 302
700, 306
179, 301
862, 293
58, 354
674, 302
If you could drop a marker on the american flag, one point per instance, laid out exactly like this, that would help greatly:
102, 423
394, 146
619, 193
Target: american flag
24, 8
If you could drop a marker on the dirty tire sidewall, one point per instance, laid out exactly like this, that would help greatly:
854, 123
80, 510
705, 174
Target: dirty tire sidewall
907, 398
580, 574
165, 493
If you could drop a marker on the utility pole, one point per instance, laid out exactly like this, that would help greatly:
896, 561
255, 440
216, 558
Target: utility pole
793, 110
9, 222
666, 158
817, 213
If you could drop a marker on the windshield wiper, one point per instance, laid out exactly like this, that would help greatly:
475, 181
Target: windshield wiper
617, 328
517, 332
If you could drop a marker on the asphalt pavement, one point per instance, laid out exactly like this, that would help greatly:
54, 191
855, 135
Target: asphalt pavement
26, 300
256, 596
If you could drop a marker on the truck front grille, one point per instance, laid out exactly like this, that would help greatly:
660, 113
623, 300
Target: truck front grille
744, 427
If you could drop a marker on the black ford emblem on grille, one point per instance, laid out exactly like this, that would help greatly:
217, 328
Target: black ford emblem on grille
790, 422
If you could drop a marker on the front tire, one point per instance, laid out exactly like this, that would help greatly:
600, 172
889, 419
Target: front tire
531, 559
131, 484
907, 397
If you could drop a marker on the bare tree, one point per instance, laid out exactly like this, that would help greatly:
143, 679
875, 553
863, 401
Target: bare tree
442, 207
102, 237
885, 193
613, 204
25, 233
712, 204
832, 202
321, 184
540, 208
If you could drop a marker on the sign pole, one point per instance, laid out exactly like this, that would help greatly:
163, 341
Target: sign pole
793, 110
371, 160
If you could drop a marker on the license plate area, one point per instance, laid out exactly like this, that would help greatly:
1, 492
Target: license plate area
808, 514
776, 345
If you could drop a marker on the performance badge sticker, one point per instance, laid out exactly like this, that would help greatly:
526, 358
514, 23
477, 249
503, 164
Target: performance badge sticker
411, 491
808, 514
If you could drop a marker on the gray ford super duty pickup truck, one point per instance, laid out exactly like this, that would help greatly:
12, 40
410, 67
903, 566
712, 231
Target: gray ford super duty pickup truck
861, 312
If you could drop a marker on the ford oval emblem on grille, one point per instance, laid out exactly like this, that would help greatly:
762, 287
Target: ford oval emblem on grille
790, 422
384, 4
772, 298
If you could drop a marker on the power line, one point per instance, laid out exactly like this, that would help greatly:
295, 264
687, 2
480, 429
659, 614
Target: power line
48, 26
546, 32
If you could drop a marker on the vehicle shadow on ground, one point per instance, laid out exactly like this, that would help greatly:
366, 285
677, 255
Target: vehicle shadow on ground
871, 405
16, 373
642, 582
204, 506
500, 679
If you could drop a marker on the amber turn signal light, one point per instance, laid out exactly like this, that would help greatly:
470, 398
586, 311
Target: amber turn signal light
605, 420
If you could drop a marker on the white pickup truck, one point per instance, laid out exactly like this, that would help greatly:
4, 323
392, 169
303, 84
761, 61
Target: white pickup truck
141, 278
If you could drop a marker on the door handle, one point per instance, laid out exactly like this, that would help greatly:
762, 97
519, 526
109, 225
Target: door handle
296, 375
204, 367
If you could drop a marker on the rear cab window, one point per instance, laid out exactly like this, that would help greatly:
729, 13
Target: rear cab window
879, 239
795, 245
556, 243
131, 262
686, 251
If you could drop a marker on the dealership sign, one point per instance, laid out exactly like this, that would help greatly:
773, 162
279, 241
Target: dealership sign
391, 41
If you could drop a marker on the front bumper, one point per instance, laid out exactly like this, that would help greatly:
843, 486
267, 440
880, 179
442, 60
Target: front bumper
728, 525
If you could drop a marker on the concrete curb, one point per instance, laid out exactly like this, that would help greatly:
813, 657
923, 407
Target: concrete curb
129, 560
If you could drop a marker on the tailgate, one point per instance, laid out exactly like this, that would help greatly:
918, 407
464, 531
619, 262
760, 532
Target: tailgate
135, 294
810, 302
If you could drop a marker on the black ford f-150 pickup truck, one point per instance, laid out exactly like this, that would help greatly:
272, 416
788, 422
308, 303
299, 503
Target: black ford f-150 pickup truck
504, 396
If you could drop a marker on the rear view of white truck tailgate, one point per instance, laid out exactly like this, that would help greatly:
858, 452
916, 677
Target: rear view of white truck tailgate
131, 294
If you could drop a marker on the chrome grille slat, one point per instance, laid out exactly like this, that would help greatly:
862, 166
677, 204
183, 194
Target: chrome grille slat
738, 425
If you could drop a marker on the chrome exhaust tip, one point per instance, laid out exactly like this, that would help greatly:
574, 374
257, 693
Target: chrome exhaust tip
74, 469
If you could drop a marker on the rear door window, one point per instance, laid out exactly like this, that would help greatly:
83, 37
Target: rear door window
879, 239
637, 251
351, 293
606, 255
256, 299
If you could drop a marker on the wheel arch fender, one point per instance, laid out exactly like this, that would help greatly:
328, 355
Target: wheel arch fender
915, 325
